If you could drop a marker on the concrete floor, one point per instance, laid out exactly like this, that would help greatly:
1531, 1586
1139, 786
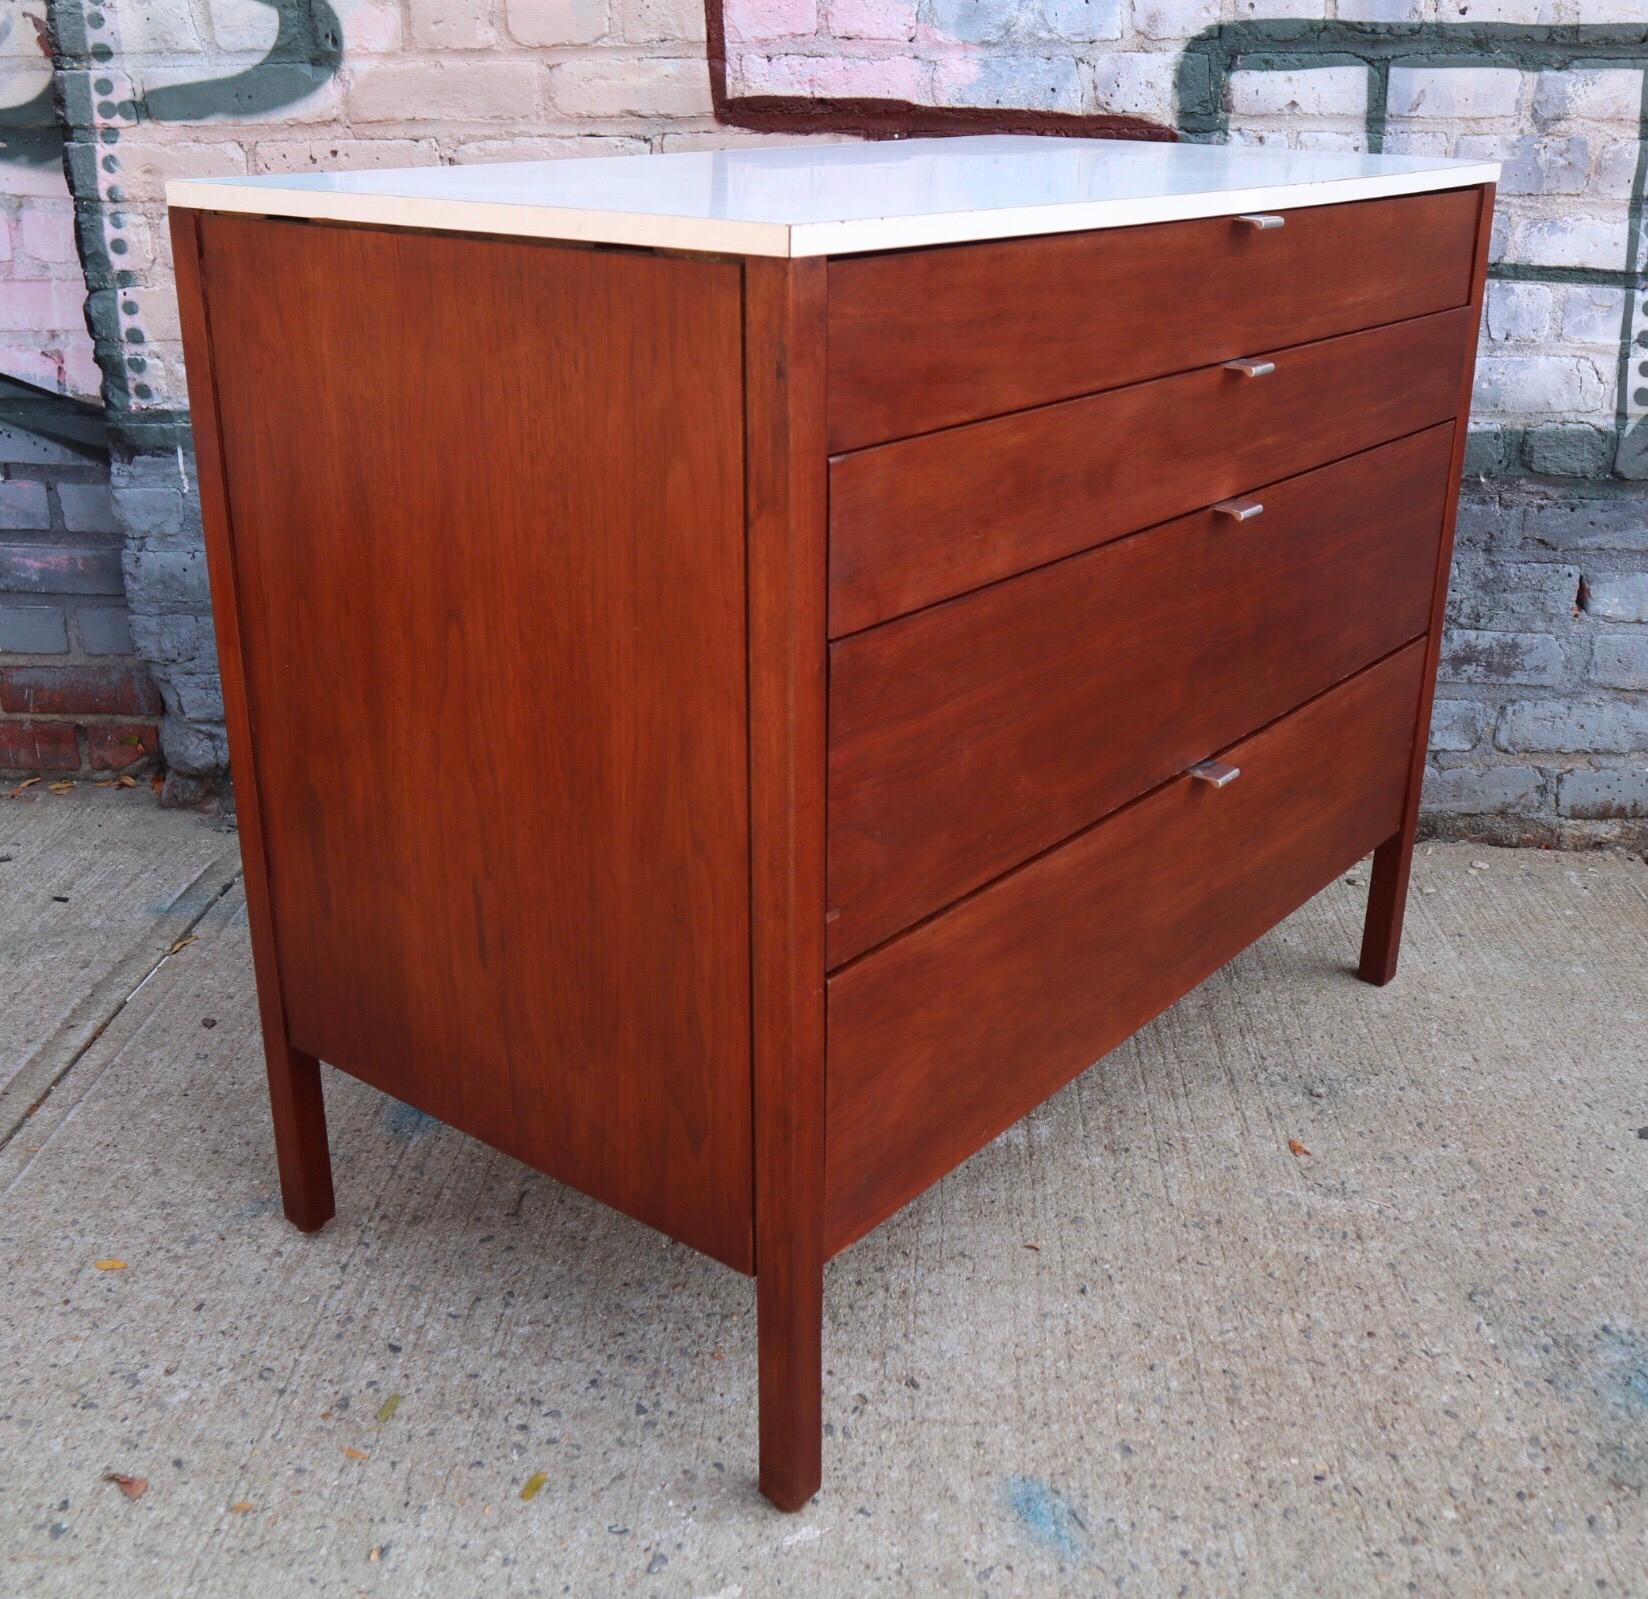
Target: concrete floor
1137, 1345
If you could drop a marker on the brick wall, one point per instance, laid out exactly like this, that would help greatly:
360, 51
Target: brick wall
1542, 726
73, 695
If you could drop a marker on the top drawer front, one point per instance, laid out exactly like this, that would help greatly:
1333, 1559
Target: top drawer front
928, 338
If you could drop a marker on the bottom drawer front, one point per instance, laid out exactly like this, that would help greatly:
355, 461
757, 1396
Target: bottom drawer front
948, 1035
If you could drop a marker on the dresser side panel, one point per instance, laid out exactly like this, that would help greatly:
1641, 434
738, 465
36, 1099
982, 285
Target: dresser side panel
485, 500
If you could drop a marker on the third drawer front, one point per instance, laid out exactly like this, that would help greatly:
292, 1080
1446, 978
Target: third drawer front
918, 521
952, 1033
968, 737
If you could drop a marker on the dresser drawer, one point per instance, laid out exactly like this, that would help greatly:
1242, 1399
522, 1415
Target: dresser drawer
968, 737
918, 521
948, 1035
925, 339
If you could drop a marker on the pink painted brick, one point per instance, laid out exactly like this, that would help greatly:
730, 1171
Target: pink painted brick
451, 24
47, 231
43, 305
548, 23
847, 77
755, 20
873, 19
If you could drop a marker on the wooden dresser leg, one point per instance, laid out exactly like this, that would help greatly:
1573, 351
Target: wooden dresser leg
300, 1137
1387, 900
789, 1313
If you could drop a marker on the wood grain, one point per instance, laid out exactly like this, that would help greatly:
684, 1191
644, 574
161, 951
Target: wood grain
489, 560
972, 735
1393, 861
919, 521
784, 365
295, 1099
948, 1035
925, 339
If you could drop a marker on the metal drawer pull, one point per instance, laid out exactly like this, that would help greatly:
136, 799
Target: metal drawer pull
1217, 774
1251, 368
1239, 510
1262, 221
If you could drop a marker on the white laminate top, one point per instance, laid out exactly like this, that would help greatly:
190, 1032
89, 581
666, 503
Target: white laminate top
839, 199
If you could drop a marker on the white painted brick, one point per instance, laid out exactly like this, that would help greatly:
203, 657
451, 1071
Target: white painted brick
1277, 10
1519, 310
1310, 92
1488, 791
1622, 598
451, 24
343, 155
1593, 314
893, 20
144, 169
1608, 94
463, 91
606, 88
898, 78
1571, 241
1519, 11
1536, 385
548, 23
240, 26
548, 149
1381, 10
1616, 170
657, 21
1455, 93
1557, 164
1138, 84
1174, 19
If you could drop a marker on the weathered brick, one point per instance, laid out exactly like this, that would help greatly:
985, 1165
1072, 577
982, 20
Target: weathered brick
769, 19
1620, 661
1622, 598
1083, 20
1566, 449
1174, 19
1488, 593
457, 91
33, 629
24, 505
193, 749
87, 508
660, 87
1559, 164
344, 155
195, 696
1602, 523
1520, 310
1457, 725
59, 569
38, 747
104, 629
1606, 794
1593, 314
1593, 242
78, 690
47, 231
1306, 91
1140, 84
1539, 384
1462, 93
167, 580
1046, 83
1480, 791
1617, 727
174, 640
113, 746
1476, 655
1605, 94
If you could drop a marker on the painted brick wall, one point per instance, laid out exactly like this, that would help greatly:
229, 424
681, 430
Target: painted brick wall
73, 695
1542, 726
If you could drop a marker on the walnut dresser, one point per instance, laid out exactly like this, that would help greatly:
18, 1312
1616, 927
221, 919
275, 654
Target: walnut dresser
880, 623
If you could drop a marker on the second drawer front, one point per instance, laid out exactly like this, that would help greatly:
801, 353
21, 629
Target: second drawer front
967, 738
919, 521
952, 1033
